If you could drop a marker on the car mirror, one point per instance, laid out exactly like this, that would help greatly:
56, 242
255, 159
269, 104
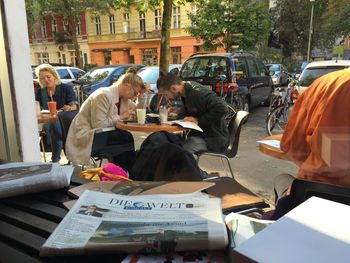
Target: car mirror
271, 72
222, 77
296, 76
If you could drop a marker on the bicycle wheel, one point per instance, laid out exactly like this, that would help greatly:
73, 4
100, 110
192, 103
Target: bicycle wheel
277, 119
231, 113
239, 102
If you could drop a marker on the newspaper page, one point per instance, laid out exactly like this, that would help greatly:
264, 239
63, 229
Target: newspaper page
27, 177
111, 223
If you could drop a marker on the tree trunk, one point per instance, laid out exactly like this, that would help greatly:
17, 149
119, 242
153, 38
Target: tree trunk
165, 36
73, 35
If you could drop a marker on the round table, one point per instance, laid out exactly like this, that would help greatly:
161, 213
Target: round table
272, 151
46, 118
149, 128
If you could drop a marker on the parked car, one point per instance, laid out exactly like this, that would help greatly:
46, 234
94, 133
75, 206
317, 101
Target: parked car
280, 76
240, 73
66, 73
102, 76
150, 74
316, 69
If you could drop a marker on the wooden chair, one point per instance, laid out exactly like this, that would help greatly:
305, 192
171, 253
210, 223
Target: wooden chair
234, 128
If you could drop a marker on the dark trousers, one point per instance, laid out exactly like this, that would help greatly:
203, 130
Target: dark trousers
118, 146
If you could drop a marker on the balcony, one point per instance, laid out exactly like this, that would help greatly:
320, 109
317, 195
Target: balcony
148, 35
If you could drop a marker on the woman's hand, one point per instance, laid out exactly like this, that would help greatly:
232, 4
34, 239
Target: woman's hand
191, 119
127, 114
69, 108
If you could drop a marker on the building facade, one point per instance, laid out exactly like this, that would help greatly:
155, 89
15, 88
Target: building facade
117, 38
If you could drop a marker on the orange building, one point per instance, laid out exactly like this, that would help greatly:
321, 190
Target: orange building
134, 37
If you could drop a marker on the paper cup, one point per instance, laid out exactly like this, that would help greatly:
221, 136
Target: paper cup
141, 116
52, 107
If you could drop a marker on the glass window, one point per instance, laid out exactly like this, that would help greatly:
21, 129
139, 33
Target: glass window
209, 67
126, 22
43, 30
42, 58
77, 72
261, 67
157, 19
175, 54
111, 24
149, 56
176, 17
54, 25
63, 73
252, 67
98, 25
78, 27
142, 24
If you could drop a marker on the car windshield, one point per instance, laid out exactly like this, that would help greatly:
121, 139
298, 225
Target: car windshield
96, 75
149, 75
274, 67
310, 74
205, 67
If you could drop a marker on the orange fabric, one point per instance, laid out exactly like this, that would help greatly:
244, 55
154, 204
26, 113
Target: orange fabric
323, 107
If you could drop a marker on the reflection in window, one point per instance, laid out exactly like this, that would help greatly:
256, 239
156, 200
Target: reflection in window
142, 25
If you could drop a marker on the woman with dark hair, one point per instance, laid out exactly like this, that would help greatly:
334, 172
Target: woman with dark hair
102, 109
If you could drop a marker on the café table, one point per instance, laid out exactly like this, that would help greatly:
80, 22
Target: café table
149, 127
46, 118
27, 221
273, 151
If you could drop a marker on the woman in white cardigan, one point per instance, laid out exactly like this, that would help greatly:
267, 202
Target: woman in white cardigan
102, 109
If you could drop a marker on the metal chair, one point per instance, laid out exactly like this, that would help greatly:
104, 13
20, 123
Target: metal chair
234, 128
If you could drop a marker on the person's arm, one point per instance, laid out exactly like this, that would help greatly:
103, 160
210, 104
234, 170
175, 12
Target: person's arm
101, 112
215, 109
71, 102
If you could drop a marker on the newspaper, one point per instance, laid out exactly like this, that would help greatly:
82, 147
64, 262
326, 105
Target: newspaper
25, 177
111, 223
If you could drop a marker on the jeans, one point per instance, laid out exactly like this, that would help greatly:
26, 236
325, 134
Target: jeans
194, 144
54, 137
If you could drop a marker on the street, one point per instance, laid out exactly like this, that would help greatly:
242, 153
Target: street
253, 169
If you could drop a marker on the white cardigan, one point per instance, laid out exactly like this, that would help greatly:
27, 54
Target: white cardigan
98, 111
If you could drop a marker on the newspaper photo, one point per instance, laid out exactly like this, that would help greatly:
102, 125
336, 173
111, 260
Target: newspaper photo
110, 223
23, 178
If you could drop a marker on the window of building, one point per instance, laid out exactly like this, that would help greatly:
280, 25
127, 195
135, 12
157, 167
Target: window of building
157, 19
98, 25
175, 54
43, 30
59, 57
111, 24
78, 27
126, 22
85, 58
107, 57
42, 58
176, 17
54, 25
149, 56
142, 24
65, 24
64, 60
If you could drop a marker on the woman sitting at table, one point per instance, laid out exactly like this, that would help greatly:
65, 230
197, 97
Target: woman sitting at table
102, 109
53, 90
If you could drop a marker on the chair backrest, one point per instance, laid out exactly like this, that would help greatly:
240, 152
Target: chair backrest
65, 118
234, 129
301, 190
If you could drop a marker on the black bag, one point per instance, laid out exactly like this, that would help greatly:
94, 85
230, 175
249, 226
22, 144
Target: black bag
162, 158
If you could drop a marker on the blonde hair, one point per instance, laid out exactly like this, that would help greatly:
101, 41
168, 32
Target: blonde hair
48, 68
130, 77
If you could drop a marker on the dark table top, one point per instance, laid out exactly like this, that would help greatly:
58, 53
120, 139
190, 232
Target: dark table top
27, 221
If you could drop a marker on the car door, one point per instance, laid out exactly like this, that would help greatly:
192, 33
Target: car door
254, 81
265, 79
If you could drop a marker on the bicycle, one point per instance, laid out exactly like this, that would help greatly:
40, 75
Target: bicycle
282, 102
